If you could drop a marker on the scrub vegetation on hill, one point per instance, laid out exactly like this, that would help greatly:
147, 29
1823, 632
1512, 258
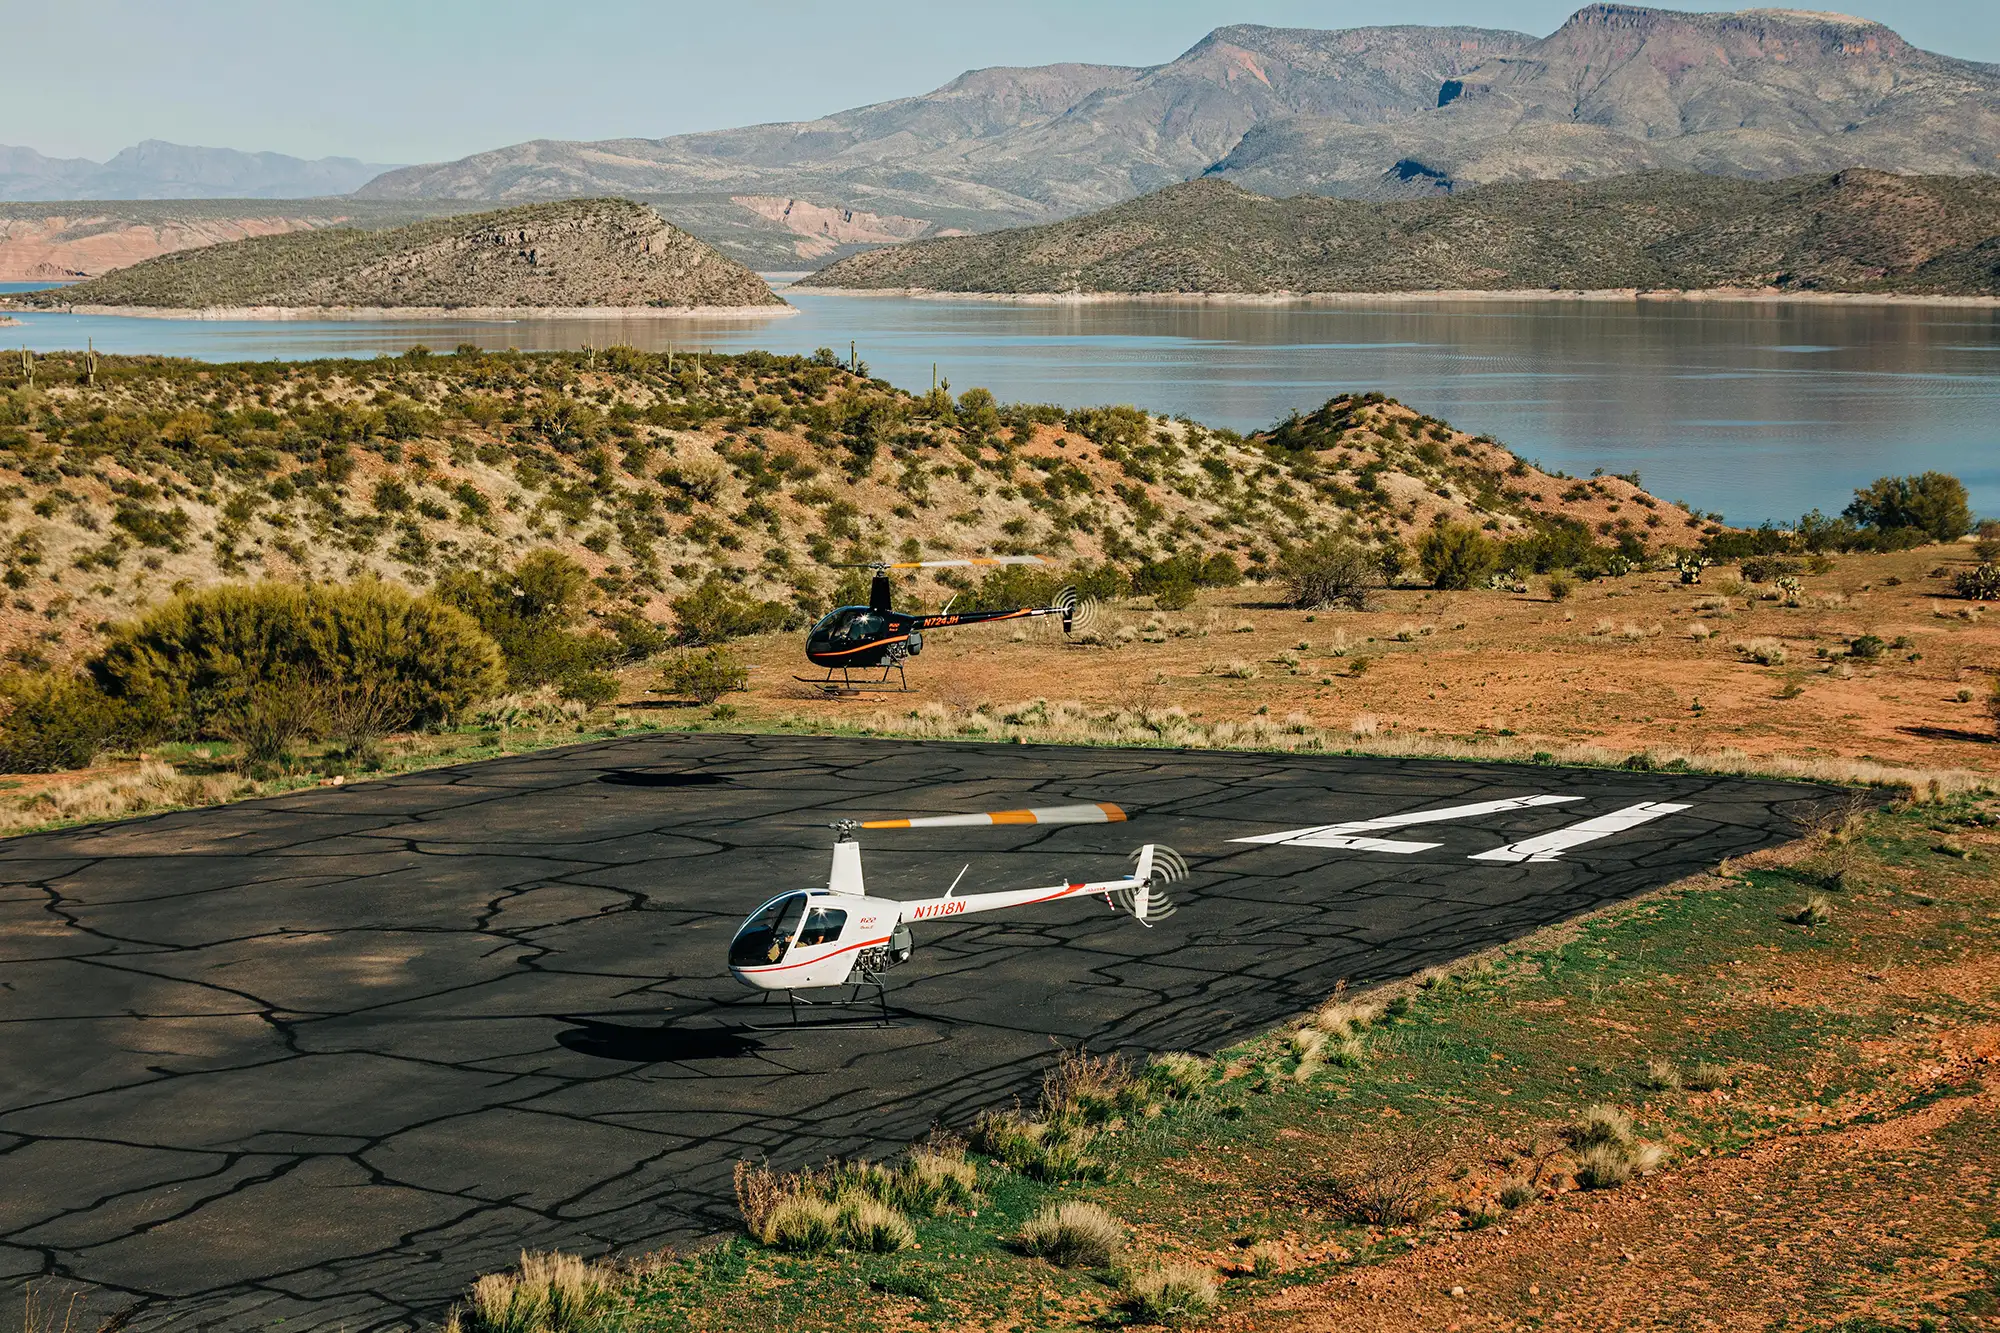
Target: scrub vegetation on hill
1857, 231
584, 252
250, 557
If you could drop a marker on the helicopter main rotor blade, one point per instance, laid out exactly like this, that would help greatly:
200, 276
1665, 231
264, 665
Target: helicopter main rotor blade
1098, 812
966, 562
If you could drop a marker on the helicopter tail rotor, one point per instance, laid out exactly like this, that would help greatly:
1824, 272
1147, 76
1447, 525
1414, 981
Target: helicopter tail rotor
1079, 611
1155, 866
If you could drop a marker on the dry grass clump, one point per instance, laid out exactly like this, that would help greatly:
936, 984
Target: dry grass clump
1815, 911
1607, 1152
854, 1205
548, 1293
1706, 1076
152, 786
1517, 1192
1179, 1075
1037, 1149
1661, 1076
1764, 652
1072, 1235
1169, 1293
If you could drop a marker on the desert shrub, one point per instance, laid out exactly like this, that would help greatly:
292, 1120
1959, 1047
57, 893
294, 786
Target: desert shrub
1764, 652
1391, 1188
1980, 583
1768, 569
1329, 572
716, 611
215, 660
532, 613
1516, 1192
1169, 1293
1867, 645
1661, 1076
638, 637
1932, 502
1560, 587
935, 1176
1815, 911
1083, 1086
1035, 1149
1072, 1235
549, 1293
53, 721
704, 676
1456, 555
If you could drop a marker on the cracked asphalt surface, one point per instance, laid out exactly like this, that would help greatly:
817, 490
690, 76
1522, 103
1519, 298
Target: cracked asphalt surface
325, 1058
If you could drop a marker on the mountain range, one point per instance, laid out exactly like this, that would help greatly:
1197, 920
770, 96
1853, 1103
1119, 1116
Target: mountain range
1388, 112
159, 170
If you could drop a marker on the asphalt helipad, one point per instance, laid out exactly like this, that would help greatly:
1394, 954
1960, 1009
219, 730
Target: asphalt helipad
323, 1059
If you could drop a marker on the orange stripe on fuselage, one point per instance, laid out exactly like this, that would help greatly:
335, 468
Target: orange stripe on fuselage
879, 643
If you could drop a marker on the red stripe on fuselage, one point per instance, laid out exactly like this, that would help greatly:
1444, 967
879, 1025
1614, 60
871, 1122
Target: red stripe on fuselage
786, 967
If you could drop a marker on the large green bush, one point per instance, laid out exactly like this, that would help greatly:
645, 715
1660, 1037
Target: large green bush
52, 722
1932, 502
362, 659
533, 612
1330, 572
1456, 555
717, 611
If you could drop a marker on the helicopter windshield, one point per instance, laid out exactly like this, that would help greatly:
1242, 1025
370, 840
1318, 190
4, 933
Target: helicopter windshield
766, 936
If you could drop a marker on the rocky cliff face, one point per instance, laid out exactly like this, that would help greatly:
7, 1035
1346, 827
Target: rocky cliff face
592, 252
65, 246
1761, 94
1385, 112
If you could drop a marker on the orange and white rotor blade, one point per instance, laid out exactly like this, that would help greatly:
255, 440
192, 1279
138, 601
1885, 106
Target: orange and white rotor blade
1097, 812
968, 562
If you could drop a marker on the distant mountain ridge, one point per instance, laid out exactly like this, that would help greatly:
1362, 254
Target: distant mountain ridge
575, 253
1385, 112
156, 169
1854, 231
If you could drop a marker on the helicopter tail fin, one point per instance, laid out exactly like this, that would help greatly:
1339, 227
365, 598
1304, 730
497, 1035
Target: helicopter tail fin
1154, 867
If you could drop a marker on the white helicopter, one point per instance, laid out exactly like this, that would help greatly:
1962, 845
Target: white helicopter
841, 935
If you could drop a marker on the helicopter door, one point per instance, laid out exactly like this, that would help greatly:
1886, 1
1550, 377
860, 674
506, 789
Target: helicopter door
823, 926
767, 935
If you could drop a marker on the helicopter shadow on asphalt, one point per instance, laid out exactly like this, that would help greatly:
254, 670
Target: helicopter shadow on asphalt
673, 1043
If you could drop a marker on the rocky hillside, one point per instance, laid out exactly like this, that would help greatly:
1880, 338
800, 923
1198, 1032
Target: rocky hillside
592, 252
655, 471
1383, 112
1857, 231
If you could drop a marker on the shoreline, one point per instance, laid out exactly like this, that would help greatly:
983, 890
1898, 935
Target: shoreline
509, 314
1597, 295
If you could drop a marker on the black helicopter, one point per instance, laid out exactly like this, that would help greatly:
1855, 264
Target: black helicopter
878, 637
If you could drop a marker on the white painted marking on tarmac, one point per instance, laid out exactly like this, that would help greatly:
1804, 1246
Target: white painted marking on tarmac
1344, 836
1549, 846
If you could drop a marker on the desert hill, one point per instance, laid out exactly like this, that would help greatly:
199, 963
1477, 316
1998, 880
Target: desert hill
656, 471
1384, 112
1855, 231
592, 252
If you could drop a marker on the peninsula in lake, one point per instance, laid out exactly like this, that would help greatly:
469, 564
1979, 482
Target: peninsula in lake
1856, 231
585, 254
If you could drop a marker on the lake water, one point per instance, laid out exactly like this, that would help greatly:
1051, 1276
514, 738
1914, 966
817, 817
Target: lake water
1753, 411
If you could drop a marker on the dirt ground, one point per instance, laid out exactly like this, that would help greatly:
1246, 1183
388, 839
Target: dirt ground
1624, 663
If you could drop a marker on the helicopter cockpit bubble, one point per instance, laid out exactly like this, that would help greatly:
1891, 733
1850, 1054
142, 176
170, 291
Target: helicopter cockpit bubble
767, 933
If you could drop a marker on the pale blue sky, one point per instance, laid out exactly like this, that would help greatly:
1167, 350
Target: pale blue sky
425, 80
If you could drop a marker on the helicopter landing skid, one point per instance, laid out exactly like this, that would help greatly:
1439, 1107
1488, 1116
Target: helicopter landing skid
854, 1000
845, 684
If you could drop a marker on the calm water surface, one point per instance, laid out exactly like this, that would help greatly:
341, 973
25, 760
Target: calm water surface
1754, 411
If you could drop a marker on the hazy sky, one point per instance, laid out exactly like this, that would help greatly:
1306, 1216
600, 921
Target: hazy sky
426, 80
